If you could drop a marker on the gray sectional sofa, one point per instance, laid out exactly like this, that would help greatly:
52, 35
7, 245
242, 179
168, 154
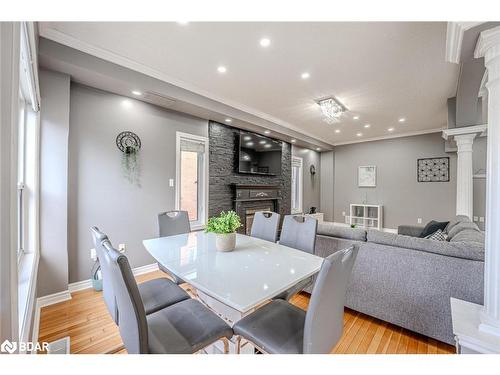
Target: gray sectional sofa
408, 281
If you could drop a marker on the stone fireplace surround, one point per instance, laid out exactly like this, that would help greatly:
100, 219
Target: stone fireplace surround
224, 177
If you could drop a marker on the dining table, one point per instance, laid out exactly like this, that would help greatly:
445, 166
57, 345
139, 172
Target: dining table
236, 283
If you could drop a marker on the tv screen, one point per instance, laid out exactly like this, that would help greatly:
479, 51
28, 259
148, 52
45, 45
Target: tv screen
259, 154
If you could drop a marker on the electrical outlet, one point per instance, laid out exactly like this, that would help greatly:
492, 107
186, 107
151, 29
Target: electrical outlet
475, 218
171, 182
121, 248
481, 219
93, 254
343, 213
419, 220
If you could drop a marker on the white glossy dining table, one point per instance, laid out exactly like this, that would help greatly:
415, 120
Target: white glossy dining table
243, 279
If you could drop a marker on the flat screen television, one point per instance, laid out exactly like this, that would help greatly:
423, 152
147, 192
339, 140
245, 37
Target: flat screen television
259, 154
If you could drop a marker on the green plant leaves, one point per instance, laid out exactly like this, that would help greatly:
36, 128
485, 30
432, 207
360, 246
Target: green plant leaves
226, 222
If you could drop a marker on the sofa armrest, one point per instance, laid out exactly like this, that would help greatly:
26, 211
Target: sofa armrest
410, 230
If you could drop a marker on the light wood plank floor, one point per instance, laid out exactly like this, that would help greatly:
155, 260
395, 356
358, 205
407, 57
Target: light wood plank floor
86, 321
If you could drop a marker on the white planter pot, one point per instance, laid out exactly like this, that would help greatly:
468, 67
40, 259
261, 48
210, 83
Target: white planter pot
225, 242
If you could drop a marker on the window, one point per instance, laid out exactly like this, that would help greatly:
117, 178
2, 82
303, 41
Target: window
296, 185
27, 147
191, 180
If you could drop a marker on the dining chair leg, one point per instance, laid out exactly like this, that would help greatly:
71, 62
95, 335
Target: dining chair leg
238, 345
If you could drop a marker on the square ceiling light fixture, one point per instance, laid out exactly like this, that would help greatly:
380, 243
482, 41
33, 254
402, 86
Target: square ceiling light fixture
332, 108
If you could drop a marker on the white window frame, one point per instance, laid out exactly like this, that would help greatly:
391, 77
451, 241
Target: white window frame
298, 160
203, 205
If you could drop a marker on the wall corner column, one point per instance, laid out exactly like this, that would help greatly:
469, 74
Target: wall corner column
488, 46
465, 184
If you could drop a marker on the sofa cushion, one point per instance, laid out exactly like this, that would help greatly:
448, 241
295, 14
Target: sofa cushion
469, 235
458, 249
460, 227
455, 221
432, 226
329, 229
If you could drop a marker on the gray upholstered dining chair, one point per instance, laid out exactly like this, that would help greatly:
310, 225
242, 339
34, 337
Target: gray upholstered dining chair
156, 294
282, 328
265, 225
185, 327
298, 232
171, 223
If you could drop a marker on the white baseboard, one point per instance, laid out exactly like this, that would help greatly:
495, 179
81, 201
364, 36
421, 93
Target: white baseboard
389, 230
75, 287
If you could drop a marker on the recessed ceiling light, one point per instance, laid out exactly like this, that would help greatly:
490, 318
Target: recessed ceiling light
262, 142
265, 42
337, 130
228, 120
305, 75
267, 132
359, 134
402, 119
293, 140
249, 144
318, 149
267, 145
355, 118
390, 129
247, 138
222, 69
136, 92
367, 126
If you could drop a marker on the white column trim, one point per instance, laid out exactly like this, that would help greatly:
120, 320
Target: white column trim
465, 184
454, 37
480, 130
488, 46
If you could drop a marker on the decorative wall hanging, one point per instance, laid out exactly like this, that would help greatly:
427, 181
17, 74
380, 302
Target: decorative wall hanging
367, 176
129, 144
433, 170
312, 170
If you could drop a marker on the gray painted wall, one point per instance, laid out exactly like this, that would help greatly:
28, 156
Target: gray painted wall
312, 184
54, 129
327, 184
98, 192
403, 198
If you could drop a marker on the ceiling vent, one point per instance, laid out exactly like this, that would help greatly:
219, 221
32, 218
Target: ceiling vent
158, 99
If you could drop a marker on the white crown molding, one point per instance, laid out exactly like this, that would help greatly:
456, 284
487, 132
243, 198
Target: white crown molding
72, 42
392, 136
454, 37
480, 130
487, 39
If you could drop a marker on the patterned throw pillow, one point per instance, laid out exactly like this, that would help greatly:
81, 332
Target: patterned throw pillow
438, 235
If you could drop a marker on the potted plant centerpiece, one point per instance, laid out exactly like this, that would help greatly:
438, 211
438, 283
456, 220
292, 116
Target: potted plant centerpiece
224, 226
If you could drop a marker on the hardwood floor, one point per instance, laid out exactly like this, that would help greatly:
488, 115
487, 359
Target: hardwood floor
86, 321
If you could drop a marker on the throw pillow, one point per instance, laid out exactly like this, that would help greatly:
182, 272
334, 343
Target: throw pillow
432, 226
438, 235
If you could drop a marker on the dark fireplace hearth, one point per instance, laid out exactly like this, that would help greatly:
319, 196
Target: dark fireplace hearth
250, 199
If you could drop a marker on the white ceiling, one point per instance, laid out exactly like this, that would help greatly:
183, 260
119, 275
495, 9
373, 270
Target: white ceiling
380, 71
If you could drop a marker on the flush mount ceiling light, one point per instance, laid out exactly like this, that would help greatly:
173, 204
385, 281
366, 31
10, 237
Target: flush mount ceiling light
332, 108
367, 126
359, 134
402, 119
391, 129
228, 120
265, 42
267, 132
355, 118
222, 69
305, 75
293, 140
